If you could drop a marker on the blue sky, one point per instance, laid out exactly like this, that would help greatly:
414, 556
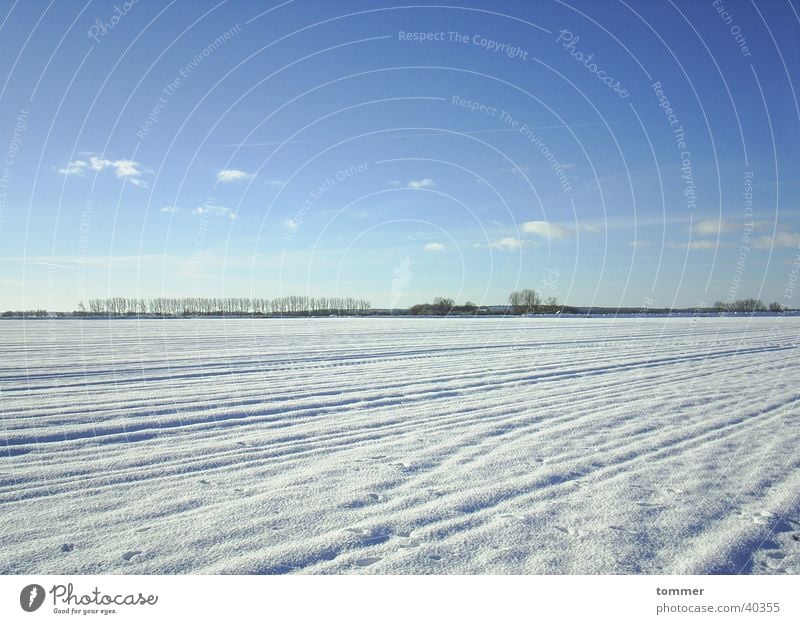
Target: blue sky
364, 149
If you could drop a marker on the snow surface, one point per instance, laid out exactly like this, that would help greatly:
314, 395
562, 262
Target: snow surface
543, 446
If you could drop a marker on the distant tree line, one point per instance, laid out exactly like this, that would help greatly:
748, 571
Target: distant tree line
25, 313
747, 305
442, 306
224, 306
525, 301
528, 301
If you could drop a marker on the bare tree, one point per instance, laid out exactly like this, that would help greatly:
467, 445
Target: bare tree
443, 305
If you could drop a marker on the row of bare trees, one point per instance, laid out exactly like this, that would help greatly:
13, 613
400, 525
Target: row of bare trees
528, 301
293, 305
744, 305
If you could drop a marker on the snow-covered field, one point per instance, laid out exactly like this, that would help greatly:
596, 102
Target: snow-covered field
543, 446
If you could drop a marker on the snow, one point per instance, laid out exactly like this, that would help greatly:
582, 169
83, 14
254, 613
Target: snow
400, 445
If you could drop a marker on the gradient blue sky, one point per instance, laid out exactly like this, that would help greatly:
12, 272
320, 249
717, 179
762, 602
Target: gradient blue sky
312, 150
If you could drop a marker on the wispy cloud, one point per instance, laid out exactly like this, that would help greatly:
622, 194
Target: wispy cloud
714, 226
510, 243
638, 244
214, 211
291, 225
546, 229
76, 167
781, 239
233, 175
699, 244
170, 209
127, 169
435, 247
274, 182
421, 184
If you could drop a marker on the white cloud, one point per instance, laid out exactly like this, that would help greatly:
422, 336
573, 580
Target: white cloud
128, 169
291, 224
420, 184
782, 239
638, 244
435, 247
214, 210
76, 167
546, 229
510, 243
233, 175
699, 244
170, 209
714, 226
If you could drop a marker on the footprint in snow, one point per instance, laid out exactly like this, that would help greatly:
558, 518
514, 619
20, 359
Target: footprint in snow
67, 547
370, 499
571, 531
763, 517
367, 561
367, 536
131, 555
